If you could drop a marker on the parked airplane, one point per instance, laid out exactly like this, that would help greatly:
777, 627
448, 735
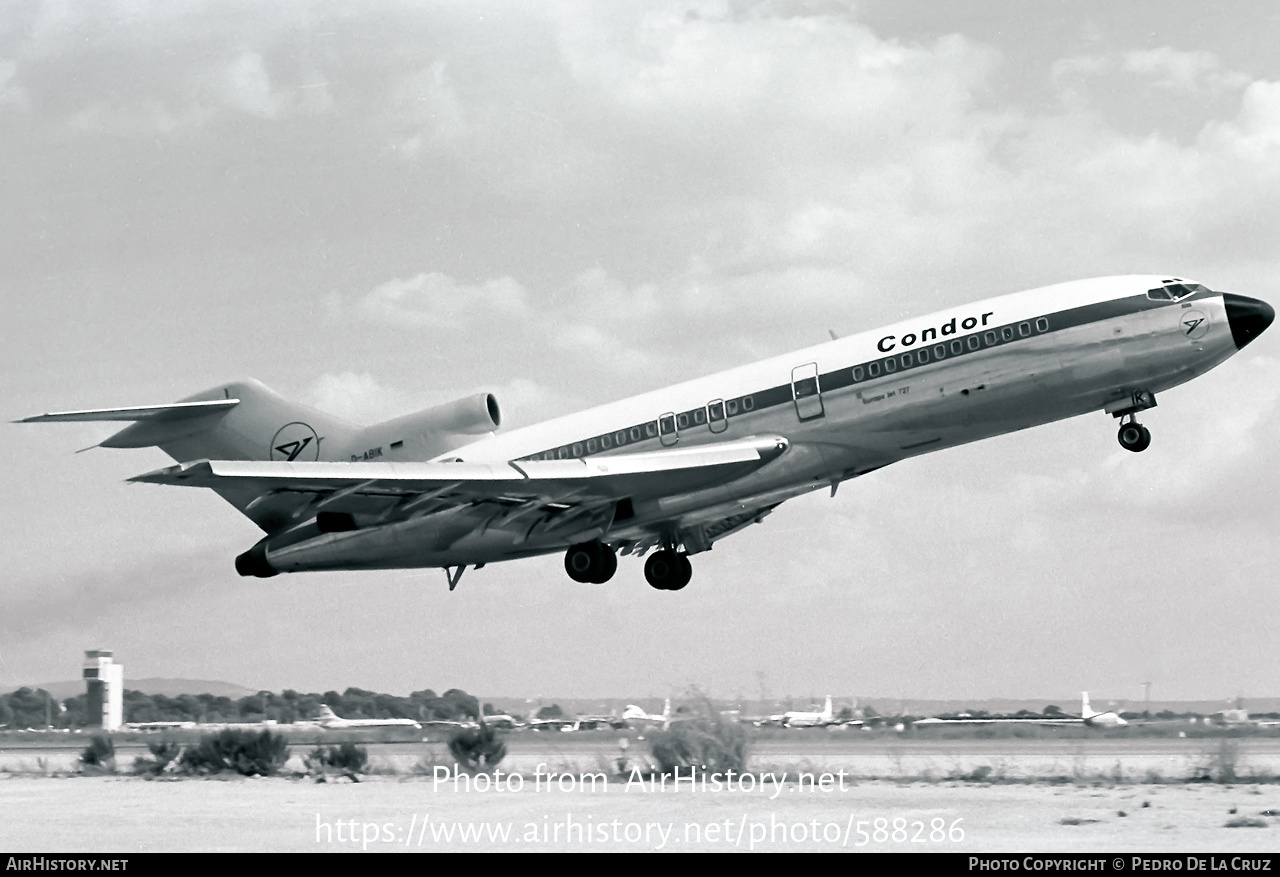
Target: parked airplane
680, 468
799, 719
501, 721
635, 715
1109, 719
332, 721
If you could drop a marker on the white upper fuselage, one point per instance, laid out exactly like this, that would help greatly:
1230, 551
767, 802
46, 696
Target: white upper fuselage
831, 356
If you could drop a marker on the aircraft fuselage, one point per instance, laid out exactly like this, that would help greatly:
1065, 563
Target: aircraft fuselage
844, 408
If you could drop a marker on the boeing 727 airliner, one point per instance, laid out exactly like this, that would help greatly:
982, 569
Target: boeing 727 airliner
676, 470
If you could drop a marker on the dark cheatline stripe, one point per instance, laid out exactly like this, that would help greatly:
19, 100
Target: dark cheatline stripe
846, 376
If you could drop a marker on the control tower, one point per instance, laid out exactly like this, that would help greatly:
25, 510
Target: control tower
104, 679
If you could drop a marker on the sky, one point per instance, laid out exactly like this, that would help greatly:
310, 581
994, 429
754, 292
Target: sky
374, 208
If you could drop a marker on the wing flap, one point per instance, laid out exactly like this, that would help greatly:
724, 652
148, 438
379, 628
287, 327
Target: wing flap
161, 413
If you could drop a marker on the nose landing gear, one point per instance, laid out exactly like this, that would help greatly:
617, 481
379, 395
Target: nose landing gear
1133, 436
590, 562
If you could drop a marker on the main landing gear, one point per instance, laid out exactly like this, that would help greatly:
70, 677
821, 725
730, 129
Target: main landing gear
1133, 436
595, 563
667, 570
590, 562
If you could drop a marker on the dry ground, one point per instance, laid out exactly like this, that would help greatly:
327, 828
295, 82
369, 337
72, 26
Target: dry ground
116, 814
1095, 779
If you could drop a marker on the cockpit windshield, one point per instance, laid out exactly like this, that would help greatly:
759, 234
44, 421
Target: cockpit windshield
1175, 290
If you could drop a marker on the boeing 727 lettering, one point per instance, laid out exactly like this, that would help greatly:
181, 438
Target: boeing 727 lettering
672, 472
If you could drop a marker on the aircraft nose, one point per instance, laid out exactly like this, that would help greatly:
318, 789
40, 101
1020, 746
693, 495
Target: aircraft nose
1248, 317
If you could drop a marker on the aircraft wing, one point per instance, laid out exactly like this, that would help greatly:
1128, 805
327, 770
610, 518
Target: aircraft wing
395, 491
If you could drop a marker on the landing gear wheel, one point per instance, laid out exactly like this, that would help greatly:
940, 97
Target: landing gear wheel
668, 571
590, 562
608, 566
1133, 436
582, 560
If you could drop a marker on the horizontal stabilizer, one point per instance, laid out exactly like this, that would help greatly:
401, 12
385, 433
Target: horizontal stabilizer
159, 413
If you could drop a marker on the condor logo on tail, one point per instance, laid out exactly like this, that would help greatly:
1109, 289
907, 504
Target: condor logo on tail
293, 441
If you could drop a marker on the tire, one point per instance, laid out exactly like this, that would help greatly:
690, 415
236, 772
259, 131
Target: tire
1134, 437
606, 567
582, 561
660, 569
668, 571
685, 573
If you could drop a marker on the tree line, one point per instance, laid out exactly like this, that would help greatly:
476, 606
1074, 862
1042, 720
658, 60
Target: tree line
28, 708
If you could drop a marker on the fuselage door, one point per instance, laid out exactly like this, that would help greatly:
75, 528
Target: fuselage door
716, 419
806, 392
667, 429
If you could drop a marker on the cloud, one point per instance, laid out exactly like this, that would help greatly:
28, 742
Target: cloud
355, 397
362, 399
435, 300
1182, 71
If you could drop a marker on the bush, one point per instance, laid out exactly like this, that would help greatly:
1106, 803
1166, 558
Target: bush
708, 743
347, 758
477, 749
163, 754
249, 753
1223, 760
100, 753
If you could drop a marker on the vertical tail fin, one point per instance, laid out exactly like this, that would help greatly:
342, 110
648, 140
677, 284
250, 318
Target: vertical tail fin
260, 425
